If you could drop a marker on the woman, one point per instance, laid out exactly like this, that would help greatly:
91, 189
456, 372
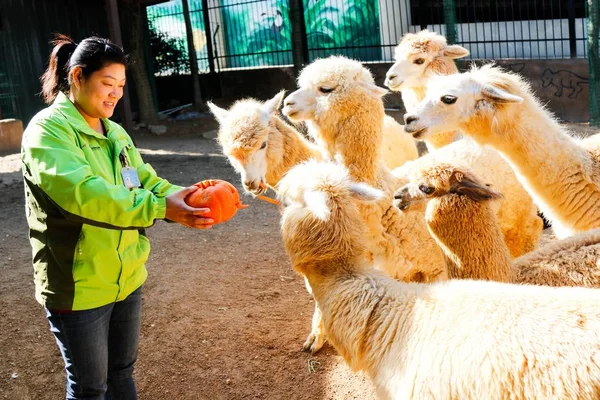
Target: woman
89, 197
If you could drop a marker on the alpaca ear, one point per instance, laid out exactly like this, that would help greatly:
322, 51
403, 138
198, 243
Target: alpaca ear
272, 105
500, 96
374, 90
455, 51
220, 113
469, 187
364, 192
317, 203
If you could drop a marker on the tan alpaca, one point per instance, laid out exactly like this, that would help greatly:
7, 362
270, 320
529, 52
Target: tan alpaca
460, 339
418, 57
498, 109
516, 212
262, 147
343, 109
459, 214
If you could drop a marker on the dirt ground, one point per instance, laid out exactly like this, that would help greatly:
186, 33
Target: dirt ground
224, 314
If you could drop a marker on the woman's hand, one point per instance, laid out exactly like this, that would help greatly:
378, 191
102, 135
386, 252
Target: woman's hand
178, 210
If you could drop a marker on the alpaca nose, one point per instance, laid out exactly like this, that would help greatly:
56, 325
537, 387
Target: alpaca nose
392, 77
289, 102
408, 119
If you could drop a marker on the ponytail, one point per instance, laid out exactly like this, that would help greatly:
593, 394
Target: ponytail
56, 77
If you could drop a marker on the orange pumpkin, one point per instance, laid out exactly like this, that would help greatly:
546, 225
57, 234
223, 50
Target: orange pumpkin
220, 196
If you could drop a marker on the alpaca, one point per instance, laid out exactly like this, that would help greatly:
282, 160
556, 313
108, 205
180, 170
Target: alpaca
262, 147
460, 217
417, 57
517, 214
343, 110
459, 339
498, 109
259, 144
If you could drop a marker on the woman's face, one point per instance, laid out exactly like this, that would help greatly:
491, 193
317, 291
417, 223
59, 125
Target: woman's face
97, 95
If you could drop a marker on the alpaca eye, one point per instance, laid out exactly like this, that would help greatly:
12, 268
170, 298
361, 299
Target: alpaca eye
325, 90
426, 189
263, 145
419, 61
447, 99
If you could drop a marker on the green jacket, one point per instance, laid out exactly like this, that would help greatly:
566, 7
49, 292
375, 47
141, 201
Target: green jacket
86, 228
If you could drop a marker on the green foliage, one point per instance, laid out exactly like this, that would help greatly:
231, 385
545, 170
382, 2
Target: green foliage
169, 55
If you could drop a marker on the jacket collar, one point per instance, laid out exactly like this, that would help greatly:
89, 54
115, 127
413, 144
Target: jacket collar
68, 109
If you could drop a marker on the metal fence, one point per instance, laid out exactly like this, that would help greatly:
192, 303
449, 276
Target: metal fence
259, 34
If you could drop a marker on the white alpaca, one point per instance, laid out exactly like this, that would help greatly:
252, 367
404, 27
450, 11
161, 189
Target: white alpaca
497, 109
459, 214
459, 339
262, 147
343, 109
418, 57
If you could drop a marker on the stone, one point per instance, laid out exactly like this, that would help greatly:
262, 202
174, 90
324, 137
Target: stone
11, 134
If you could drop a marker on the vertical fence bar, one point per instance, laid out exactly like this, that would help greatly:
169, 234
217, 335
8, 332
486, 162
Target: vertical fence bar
450, 21
299, 42
594, 59
209, 46
572, 34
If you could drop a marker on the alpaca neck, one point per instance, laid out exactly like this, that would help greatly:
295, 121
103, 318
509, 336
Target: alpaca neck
441, 139
292, 150
357, 141
549, 163
355, 304
470, 237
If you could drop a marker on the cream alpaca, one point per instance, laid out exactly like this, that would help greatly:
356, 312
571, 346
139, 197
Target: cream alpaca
459, 339
460, 217
418, 57
259, 145
497, 108
344, 112
342, 106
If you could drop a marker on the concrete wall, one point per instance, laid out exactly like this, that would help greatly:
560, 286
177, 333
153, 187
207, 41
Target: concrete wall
562, 84
11, 133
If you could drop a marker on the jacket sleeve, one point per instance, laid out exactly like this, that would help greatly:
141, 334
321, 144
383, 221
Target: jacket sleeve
150, 180
55, 163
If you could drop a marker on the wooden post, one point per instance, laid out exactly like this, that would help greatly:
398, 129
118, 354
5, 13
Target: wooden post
197, 97
114, 29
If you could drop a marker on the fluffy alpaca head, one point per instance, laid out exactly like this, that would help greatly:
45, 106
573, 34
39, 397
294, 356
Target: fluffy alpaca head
419, 56
320, 218
244, 132
330, 90
437, 181
470, 102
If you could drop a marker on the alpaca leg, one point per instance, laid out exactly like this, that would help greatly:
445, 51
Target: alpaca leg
317, 336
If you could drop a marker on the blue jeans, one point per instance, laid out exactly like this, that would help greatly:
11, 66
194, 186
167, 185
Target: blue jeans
99, 348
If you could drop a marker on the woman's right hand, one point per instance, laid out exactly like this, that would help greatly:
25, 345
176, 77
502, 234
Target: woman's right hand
179, 211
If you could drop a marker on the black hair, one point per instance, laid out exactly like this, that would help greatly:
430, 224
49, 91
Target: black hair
91, 55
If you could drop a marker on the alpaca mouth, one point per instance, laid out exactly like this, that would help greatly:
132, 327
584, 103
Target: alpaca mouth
401, 205
419, 133
394, 87
289, 112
